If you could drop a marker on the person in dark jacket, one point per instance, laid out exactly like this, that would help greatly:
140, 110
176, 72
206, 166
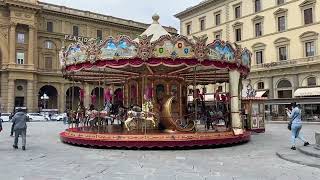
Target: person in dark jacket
20, 128
10, 117
0, 125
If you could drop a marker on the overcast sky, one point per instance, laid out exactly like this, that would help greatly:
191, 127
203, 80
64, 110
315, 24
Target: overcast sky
137, 10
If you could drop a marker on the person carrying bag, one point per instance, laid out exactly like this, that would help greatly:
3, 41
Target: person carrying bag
295, 125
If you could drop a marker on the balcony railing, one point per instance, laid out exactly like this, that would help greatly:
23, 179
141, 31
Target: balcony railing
287, 63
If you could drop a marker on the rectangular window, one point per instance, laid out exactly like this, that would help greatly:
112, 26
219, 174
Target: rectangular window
260, 85
20, 38
20, 58
281, 23
48, 63
202, 24
218, 36
99, 34
238, 34
75, 30
308, 18
310, 49
258, 29
49, 26
218, 19
257, 5
188, 29
279, 2
259, 57
237, 13
283, 53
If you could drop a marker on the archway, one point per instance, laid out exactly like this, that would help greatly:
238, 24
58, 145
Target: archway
118, 97
48, 97
284, 89
72, 97
99, 101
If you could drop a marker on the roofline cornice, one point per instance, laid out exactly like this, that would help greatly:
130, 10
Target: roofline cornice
55, 13
22, 4
201, 5
135, 25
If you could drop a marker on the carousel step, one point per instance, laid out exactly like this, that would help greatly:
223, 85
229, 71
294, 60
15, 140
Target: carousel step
295, 156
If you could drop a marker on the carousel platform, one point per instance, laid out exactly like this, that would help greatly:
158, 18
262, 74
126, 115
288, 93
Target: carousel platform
152, 139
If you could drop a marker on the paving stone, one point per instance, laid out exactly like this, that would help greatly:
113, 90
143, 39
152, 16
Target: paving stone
46, 158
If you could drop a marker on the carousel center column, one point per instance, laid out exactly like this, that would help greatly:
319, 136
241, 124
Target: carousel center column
86, 102
234, 77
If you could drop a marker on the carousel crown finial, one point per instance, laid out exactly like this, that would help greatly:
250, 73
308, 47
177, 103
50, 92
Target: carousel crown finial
156, 18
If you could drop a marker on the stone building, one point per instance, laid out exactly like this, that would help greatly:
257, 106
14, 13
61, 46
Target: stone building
283, 36
31, 35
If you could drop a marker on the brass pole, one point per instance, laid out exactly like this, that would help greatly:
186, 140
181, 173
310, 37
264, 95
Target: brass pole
72, 97
194, 90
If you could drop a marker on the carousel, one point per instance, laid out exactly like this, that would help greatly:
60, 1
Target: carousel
149, 108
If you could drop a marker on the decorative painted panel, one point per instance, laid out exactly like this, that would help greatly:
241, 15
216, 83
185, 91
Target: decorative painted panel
220, 50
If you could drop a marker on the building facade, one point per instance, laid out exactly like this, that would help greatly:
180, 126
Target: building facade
31, 36
283, 36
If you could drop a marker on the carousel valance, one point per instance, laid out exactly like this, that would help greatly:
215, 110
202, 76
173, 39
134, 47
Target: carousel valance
167, 50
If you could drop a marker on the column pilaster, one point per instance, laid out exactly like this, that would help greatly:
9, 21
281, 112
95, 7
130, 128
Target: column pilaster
11, 95
31, 45
12, 43
62, 98
31, 96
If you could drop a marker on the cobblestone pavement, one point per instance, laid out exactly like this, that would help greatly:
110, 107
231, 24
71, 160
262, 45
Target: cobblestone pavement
46, 158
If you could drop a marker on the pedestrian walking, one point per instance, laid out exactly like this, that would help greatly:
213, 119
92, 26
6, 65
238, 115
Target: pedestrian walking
0, 125
10, 118
295, 125
20, 128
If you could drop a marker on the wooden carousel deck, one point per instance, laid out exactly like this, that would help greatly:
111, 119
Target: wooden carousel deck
114, 137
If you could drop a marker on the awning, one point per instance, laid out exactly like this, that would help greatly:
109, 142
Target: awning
307, 92
259, 94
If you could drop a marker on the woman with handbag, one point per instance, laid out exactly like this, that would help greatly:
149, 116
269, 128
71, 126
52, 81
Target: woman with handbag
295, 125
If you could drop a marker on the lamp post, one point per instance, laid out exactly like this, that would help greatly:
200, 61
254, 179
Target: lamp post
44, 99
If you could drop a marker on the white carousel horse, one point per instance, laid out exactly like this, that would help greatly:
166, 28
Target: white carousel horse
145, 115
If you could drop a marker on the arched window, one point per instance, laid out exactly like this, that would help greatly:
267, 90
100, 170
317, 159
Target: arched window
284, 84
312, 81
284, 89
48, 45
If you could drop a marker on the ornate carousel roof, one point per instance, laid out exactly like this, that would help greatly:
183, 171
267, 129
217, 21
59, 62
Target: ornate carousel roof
156, 53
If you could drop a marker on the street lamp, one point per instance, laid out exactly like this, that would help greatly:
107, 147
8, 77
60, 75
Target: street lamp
44, 99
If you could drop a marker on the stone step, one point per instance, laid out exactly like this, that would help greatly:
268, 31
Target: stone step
295, 156
310, 151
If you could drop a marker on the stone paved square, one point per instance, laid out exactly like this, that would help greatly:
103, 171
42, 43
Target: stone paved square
47, 158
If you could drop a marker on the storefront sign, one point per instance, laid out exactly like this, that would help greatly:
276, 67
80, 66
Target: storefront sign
76, 38
273, 64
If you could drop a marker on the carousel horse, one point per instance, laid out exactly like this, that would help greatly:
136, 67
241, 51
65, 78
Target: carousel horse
72, 117
80, 115
107, 114
136, 113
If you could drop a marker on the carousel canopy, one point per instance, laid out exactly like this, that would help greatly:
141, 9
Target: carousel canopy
155, 29
156, 54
